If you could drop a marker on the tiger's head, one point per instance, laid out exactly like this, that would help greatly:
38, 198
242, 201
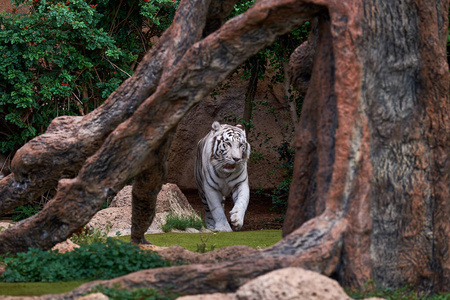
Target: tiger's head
230, 149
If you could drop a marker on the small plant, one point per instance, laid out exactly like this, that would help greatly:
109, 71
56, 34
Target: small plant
23, 212
1, 227
370, 290
182, 223
87, 236
202, 247
107, 260
119, 293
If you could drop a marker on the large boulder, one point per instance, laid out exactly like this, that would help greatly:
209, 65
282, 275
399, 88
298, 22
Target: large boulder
288, 283
65, 246
117, 217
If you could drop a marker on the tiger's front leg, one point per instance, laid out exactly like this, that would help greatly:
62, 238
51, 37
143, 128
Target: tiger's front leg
241, 197
214, 199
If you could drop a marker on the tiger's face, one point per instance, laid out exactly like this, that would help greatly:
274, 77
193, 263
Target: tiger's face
230, 149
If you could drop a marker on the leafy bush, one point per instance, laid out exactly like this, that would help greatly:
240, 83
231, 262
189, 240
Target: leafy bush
182, 222
65, 58
24, 212
88, 236
280, 194
118, 293
407, 292
96, 261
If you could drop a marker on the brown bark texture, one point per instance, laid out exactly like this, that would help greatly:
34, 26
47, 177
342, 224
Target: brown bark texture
373, 141
140, 115
370, 191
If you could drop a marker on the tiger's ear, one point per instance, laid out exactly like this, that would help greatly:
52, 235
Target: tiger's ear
240, 126
215, 126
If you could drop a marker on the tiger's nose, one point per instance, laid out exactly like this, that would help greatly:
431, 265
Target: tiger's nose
236, 159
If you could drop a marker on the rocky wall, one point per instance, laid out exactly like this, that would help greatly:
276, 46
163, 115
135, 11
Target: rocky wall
229, 101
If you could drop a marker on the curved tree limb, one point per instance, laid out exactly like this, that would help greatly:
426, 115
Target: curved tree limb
148, 183
69, 141
204, 65
315, 246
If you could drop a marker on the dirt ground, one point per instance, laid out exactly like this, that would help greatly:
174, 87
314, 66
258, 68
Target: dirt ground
258, 216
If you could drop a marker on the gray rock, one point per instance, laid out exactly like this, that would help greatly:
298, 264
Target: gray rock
284, 284
118, 214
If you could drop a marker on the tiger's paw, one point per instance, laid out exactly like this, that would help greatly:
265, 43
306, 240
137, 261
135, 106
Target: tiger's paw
223, 228
237, 219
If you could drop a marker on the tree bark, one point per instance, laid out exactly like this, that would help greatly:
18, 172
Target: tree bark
250, 93
190, 78
69, 141
146, 187
373, 142
369, 197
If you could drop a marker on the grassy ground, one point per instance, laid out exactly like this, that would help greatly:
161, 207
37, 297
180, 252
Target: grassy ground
37, 288
190, 241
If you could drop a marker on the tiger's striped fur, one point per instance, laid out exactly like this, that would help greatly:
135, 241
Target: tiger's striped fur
220, 171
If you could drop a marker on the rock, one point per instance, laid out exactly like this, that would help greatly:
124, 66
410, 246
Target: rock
215, 296
292, 283
118, 215
284, 284
5, 225
112, 220
95, 296
123, 198
170, 200
65, 246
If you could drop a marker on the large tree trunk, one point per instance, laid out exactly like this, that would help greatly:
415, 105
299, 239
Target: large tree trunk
370, 193
373, 142
185, 73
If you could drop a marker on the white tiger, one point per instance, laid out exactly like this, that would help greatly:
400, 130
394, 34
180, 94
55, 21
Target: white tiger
221, 170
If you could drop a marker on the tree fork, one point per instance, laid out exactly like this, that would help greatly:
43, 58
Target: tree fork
204, 65
39, 164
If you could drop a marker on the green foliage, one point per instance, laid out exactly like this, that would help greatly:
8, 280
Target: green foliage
118, 293
280, 193
88, 236
65, 58
37, 288
203, 246
182, 222
24, 212
407, 292
159, 12
96, 261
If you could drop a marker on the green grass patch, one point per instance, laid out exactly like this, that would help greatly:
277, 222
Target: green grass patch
37, 288
182, 222
89, 236
256, 239
107, 260
119, 293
